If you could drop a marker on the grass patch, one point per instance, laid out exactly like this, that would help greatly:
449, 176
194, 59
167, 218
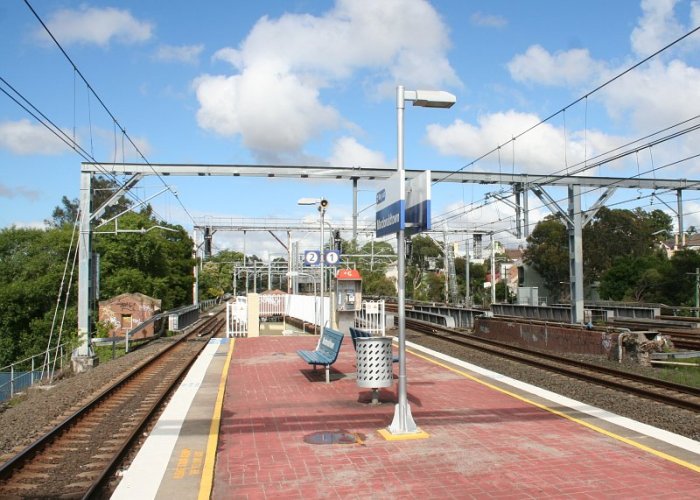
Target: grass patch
681, 374
105, 353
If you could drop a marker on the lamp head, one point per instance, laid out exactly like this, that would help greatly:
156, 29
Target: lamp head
308, 201
431, 98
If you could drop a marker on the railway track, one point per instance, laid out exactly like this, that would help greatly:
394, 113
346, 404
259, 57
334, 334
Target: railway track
77, 458
658, 390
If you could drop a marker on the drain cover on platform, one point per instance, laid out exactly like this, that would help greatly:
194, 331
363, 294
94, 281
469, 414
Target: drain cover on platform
332, 437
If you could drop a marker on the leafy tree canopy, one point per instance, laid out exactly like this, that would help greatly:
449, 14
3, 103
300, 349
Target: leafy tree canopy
547, 252
156, 262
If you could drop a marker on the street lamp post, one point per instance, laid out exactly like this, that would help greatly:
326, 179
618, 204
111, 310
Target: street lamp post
322, 205
403, 421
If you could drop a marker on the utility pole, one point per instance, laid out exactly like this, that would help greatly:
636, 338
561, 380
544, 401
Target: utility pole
697, 291
493, 270
467, 294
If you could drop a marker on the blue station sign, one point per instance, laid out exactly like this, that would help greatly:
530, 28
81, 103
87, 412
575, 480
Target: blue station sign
391, 208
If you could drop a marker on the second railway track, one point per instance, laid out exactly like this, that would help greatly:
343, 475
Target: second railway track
78, 456
650, 388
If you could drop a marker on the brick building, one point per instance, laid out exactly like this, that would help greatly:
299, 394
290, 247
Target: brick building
126, 311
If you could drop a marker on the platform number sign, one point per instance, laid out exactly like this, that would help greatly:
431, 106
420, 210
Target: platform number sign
331, 257
313, 257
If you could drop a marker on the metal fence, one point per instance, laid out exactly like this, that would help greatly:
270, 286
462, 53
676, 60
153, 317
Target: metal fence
372, 317
26, 372
273, 305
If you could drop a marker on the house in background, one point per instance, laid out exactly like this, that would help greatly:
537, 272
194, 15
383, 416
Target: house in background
671, 246
126, 311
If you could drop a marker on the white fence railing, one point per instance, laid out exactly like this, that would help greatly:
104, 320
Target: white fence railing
306, 308
273, 305
372, 317
237, 317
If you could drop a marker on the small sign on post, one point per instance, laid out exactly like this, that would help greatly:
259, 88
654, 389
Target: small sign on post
312, 257
418, 203
411, 213
391, 208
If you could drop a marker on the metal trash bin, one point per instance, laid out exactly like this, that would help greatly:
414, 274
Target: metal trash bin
374, 364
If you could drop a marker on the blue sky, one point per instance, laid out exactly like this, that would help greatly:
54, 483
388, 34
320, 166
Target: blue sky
313, 83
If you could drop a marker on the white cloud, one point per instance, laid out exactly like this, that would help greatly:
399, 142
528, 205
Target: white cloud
544, 149
284, 64
99, 26
144, 147
657, 27
188, 54
649, 98
347, 152
488, 20
657, 95
25, 138
537, 65
273, 112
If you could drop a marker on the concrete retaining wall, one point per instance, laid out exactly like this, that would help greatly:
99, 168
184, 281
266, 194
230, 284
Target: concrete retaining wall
552, 337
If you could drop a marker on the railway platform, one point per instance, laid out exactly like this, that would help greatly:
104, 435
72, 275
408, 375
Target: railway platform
253, 420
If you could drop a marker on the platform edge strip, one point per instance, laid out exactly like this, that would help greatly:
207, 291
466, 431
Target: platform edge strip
206, 484
595, 428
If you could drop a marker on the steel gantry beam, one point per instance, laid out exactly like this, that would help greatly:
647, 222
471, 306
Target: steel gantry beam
350, 173
521, 183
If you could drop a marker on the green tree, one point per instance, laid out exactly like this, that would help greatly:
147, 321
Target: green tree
216, 276
155, 262
678, 282
424, 259
31, 270
372, 266
612, 234
547, 253
637, 279
102, 189
617, 232
376, 283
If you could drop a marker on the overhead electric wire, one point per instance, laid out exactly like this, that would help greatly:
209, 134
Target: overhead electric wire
598, 88
104, 106
585, 161
604, 161
621, 202
44, 120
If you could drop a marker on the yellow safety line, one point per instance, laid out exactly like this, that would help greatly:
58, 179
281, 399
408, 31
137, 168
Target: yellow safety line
207, 481
631, 442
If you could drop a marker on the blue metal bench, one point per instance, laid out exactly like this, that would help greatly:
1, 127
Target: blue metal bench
327, 351
358, 333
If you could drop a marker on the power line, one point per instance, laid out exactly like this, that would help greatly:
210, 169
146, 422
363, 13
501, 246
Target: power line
584, 165
584, 97
104, 106
51, 126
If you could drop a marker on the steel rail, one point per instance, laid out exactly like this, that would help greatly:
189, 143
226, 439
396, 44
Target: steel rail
36, 448
689, 396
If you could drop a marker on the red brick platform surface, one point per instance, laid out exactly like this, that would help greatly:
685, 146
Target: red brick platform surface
483, 443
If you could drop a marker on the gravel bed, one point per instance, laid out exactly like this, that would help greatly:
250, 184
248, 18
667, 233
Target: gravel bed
33, 413
676, 420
